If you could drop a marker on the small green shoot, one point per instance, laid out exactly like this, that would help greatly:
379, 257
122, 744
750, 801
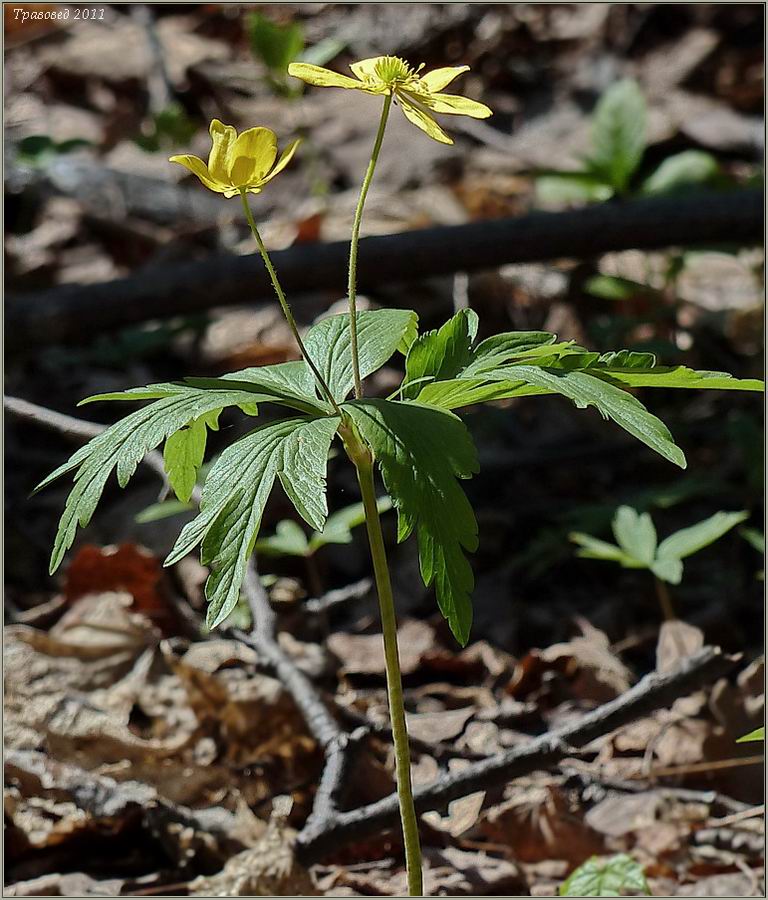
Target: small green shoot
276, 46
616, 876
637, 546
757, 735
618, 144
39, 149
290, 539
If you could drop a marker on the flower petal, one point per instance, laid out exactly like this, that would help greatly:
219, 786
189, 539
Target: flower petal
197, 167
423, 120
251, 156
454, 105
441, 78
222, 138
321, 77
283, 161
366, 68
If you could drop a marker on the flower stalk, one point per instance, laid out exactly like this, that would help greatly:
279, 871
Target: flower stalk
363, 461
287, 312
352, 280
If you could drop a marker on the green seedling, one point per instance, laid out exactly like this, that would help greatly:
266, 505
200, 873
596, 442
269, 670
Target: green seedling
277, 46
618, 144
616, 876
755, 539
637, 546
415, 439
167, 128
757, 735
39, 149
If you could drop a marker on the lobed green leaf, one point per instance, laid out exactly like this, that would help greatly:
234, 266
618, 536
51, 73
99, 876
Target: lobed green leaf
380, 333
424, 489
235, 494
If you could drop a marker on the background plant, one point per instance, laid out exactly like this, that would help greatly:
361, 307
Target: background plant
637, 546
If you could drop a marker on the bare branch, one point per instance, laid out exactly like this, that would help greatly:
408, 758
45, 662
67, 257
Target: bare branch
651, 693
183, 288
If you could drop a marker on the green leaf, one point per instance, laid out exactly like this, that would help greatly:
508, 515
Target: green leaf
592, 548
339, 525
757, 735
678, 377
690, 540
157, 511
184, 452
681, 172
380, 333
441, 354
287, 384
613, 877
275, 45
124, 444
288, 540
754, 538
636, 534
421, 452
618, 134
321, 53
236, 492
612, 287
626, 359
510, 346
612, 402
561, 188
670, 570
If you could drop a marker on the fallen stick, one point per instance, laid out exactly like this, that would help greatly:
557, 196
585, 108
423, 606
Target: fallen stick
77, 312
651, 693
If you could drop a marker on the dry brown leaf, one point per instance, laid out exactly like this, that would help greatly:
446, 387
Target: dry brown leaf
537, 824
129, 568
363, 654
596, 672
437, 727
677, 641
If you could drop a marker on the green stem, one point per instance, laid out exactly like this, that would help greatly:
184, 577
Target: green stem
665, 601
363, 461
352, 283
284, 303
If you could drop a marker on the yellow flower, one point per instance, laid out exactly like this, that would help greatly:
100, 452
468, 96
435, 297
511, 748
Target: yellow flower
418, 95
238, 162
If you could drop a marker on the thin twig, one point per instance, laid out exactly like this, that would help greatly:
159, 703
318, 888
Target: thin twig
334, 741
654, 691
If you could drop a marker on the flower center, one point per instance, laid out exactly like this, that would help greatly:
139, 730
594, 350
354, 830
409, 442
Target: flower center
391, 70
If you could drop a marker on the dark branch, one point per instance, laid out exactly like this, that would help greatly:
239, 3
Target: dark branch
334, 741
60, 314
653, 692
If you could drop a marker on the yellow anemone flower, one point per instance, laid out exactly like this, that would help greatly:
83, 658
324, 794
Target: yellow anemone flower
238, 162
418, 95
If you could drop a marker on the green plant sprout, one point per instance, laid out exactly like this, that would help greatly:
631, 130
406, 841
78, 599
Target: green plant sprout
757, 735
615, 876
414, 438
276, 46
618, 144
638, 546
290, 539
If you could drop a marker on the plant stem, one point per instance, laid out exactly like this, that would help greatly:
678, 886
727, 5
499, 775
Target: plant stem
662, 592
284, 303
352, 283
363, 461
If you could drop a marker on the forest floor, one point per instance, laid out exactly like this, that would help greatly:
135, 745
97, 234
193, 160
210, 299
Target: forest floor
146, 756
